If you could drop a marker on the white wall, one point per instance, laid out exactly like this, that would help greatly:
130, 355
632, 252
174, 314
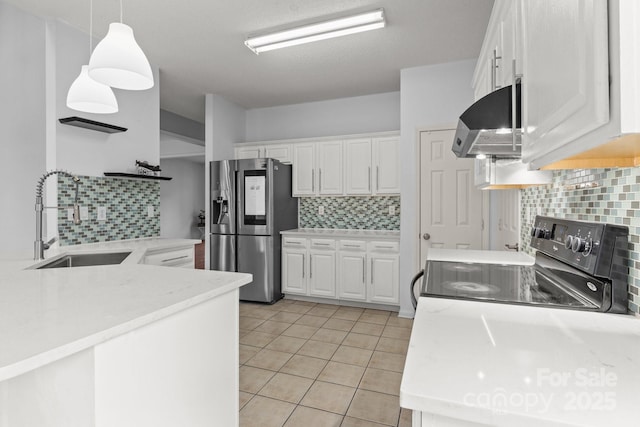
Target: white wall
22, 118
431, 97
181, 198
344, 116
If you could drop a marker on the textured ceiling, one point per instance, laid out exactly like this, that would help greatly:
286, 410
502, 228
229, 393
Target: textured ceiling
198, 45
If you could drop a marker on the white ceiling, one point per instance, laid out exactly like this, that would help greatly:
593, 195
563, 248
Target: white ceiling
198, 45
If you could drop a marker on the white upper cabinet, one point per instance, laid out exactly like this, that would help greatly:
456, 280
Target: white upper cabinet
329, 165
304, 173
357, 162
386, 165
281, 152
565, 72
250, 152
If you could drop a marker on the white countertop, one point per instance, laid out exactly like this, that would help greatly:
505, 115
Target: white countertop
335, 233
48, 314
508, 365
479, 256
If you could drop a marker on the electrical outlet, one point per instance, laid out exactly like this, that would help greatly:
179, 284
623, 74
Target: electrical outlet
70, 214
102, 213
84, 213
392, 210
150, 211
320, 210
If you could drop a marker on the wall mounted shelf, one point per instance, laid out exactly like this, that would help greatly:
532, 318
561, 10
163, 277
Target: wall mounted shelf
91, 125
136, 176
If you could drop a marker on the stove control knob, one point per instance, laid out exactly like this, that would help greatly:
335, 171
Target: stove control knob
579, 245
541, 233
534, 231
568, 242
588, 247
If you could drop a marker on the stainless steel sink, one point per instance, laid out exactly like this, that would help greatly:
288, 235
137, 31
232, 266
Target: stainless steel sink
86, 260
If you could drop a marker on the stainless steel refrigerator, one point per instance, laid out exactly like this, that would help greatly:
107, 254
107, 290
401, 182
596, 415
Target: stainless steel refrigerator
251, 204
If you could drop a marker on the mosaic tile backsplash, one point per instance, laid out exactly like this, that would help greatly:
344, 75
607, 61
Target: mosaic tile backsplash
126, 200
597, 195
366, 212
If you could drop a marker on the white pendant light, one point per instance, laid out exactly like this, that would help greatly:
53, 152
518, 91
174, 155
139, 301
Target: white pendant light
86, 94
119, 62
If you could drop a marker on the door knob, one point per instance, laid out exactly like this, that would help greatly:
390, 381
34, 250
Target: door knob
426, 236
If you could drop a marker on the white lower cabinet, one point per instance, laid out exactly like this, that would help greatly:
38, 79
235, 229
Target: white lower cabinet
355, 270
182, 257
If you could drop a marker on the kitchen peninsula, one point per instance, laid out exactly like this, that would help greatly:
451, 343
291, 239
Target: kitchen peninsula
124, 345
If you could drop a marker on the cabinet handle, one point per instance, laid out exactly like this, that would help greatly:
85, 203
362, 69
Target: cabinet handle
313, 180
514, 106
494, 70
321, 244
377, 178
292, 243
385, 247
351, 246
320, 180
175, 258
369, 179
304, 258
310, 266
364, 263
372, 271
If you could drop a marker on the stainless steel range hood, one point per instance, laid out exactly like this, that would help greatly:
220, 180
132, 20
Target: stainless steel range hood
485, 128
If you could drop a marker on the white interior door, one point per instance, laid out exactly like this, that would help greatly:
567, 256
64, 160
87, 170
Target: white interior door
505, 220
451, 211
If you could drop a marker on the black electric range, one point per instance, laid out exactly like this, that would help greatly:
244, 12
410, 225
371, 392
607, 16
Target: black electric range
578, 265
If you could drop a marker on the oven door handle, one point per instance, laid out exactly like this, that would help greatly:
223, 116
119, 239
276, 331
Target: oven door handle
414, 300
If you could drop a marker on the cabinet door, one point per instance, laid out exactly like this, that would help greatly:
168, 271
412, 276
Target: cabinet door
280, 152
387, 165
566, 75
322, 273
304, 180
357, 166
253, 152
294, 272
330, 167
351, 276
384, 278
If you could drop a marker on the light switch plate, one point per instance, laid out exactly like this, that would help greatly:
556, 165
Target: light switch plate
84, 213
320, 210
102, 213
150, 211
392, 210
70, 214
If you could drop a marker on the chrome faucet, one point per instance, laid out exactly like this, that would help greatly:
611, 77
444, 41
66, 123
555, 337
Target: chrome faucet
39, 245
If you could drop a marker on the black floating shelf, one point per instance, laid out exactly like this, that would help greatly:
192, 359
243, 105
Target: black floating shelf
136, 176
91, 124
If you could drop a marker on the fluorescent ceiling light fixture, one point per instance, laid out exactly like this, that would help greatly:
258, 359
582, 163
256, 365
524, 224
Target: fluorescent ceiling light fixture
318, 31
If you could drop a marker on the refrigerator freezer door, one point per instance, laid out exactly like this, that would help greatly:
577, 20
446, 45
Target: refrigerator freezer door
257, 256
223, 252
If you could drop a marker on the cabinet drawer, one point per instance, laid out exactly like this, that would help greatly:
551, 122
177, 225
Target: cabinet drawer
384, 246
323, 244
294, 242
182, 257
353, 245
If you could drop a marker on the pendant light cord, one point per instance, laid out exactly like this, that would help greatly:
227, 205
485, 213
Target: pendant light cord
90, 27
121, 11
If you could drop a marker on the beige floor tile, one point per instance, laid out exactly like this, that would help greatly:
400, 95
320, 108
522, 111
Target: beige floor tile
387, 361
244, 398
305, 303
322, 311
381, 381
405, 418
289, 388
319, 349
396, 332
244, 332
300, 331
283, 316
249, 323
309, 320
328, 397
285, 301
377, 407
272, 327
378, 319
329, 335
348, 313
357, 422
352, 356
339, 324
309, 417
258, 313
361, 341
253, 379
367, 328
264, 412
378, 312
391, 345
295, 308
247, 352
286, 344
304, 366
400, 322
257, 339
341, 373
269, 359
